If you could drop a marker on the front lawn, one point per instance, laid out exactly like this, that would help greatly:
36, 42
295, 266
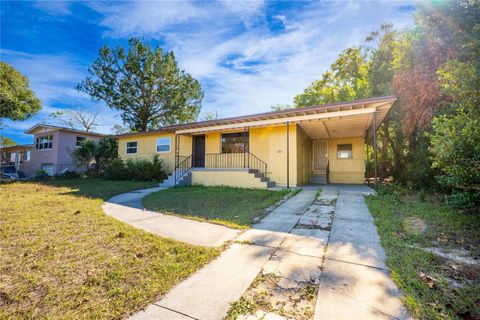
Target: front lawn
232, 207
63, 258
98, 188
433, 287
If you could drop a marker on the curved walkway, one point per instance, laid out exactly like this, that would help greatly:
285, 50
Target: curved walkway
128, 208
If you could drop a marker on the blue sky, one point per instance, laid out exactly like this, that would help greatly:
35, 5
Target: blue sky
248, 55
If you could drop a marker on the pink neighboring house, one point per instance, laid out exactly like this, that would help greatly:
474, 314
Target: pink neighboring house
53, 147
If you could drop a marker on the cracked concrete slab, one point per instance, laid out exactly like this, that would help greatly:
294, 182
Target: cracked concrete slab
262, 237
354, 272
208, 293
316, 220
309, 242
357, 242
155, 312
366, 285
294, 267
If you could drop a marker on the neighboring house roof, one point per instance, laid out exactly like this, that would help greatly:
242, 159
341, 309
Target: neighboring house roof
274, 116
53, 127
18, 146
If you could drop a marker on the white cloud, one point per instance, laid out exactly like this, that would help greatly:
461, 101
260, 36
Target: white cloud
247, 69
145, 17
53, 79
239, 51
56, 8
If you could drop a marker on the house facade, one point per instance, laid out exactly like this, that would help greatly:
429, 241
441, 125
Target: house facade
53, 148
15, 155
288, 148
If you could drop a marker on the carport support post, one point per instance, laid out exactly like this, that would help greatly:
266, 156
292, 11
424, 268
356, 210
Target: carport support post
375, 148
368, 158
288, 155
177, 146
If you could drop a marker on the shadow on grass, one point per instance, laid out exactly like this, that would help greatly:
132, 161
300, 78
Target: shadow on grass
96, 187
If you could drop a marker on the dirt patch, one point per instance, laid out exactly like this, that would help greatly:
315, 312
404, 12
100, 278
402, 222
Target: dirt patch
415, 225
274, 294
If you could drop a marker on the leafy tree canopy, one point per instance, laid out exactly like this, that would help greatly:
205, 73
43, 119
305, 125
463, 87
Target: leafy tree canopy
346, 80
145, 85
17, 100
6, 142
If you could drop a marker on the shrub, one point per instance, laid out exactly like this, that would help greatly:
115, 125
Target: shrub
116, 170
40, 174
137, 169
455, 152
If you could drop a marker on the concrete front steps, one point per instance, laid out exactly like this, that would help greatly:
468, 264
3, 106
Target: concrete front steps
319, 178
186, 179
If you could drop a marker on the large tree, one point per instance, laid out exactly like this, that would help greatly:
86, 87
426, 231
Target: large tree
145, 85
346, 80
17, 100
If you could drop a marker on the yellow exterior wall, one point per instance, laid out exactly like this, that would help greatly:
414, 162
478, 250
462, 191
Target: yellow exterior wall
232, 178
213, 143
347, 170
270, 145
304, 157
147, 147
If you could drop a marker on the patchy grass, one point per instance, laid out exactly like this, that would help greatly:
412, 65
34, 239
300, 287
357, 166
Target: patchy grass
62, 257
232, 207
433, 287
265, 296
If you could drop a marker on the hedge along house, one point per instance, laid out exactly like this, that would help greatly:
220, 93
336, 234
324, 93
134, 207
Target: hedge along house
288, 148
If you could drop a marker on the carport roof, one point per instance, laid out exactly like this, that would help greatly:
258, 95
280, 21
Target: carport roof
356, 115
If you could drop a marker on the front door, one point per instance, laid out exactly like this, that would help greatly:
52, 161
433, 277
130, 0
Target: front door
320, 156
198, 151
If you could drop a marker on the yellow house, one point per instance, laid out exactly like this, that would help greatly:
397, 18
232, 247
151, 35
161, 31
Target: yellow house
288, 148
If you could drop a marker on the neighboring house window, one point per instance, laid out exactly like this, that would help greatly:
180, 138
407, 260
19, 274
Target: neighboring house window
45, 142
13, 156
27, 156
79, 141
344, 151
131, 147
234, 142
163, 145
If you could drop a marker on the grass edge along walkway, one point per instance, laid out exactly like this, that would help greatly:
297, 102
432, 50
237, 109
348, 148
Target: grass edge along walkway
62, 257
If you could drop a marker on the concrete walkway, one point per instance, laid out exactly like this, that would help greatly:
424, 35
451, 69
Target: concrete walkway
207, 294
355, 283
128, 208
335, 246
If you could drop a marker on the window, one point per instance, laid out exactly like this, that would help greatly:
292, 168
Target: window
13, 156
79, 141
163, 145
344, 151
235, 142
27, 155
131, 147
43, 143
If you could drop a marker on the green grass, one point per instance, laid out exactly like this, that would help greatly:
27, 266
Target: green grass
98, 188
232, 207
63, 258
397, 218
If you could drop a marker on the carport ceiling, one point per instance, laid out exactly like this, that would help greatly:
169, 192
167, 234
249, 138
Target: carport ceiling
343, 126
